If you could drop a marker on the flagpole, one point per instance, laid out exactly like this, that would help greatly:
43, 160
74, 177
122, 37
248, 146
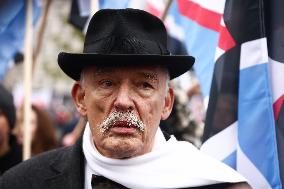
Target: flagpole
164, 15
27, 81
94, 7
42, 27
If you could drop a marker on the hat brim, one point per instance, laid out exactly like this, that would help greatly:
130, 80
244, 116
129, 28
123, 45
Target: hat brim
73, 63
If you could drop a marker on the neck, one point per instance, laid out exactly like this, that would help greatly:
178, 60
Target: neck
4, 148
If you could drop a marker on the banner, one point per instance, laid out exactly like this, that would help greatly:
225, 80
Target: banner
240, 124
80, 10
12, 30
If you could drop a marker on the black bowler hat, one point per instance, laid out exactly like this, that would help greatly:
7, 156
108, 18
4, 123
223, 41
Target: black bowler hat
120, 37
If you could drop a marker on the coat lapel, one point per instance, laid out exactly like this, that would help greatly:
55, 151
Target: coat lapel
68, 169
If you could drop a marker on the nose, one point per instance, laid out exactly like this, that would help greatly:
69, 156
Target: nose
123, 100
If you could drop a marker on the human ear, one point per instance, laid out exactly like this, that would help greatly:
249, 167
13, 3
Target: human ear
169, 102
78, 94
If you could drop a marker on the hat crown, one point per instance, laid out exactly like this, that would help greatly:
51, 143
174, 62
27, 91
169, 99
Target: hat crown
125, 31
124, 37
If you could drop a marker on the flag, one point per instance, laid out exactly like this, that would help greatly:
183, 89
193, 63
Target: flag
80, 10
243, 127
187, 22
201, 34
275, 35
76, 18
12, 30
175, 32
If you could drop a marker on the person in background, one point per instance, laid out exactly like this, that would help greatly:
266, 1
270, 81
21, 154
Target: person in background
43, 132
72, 137
10, 151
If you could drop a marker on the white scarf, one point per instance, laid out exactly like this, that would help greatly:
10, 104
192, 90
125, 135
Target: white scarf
171, 164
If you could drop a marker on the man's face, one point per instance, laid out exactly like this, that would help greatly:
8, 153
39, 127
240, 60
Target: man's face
20, 126
124, 106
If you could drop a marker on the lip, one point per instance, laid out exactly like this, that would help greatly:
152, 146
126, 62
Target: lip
122, 127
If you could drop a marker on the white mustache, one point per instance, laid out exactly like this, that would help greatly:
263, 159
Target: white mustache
129, 117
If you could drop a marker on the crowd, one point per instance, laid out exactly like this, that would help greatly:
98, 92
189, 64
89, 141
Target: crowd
43, 132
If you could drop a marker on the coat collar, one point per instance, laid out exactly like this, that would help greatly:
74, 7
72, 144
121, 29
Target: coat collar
68, 169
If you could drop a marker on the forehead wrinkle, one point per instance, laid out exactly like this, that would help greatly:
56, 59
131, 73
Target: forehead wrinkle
150, 74
102, 71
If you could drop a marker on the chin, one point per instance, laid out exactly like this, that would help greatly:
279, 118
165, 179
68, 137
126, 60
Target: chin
121, 148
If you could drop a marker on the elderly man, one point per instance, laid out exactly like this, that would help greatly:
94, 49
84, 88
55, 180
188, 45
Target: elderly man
122, 88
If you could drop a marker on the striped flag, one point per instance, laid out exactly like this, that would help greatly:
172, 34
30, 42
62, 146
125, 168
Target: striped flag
176, 33
202, 34
187, 22
275, 36
80, 9
246, 83
243, 123
12, 30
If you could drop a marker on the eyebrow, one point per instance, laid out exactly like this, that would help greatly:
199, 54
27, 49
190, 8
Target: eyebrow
153, 76
149, 76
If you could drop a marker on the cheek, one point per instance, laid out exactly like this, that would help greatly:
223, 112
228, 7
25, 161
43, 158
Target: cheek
150, 112
3, 132
4, 126
97, 109
95, 104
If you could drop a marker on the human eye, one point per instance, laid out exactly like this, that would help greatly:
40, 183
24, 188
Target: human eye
106, 83
146, 86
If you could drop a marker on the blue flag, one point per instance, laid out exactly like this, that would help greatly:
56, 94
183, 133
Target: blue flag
240, 64
240, 125
12, 30
80, 10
